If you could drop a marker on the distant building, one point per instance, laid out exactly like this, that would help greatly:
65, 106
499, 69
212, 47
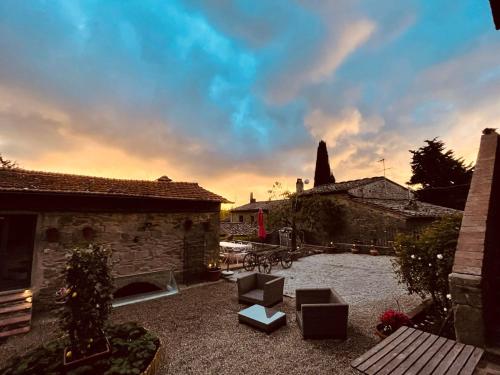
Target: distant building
247, 213
375, 209
152, 227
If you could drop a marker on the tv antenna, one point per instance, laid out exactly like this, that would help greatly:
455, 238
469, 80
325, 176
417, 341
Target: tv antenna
385, 178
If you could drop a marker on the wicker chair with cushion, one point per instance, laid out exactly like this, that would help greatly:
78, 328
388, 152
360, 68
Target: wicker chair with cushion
260, 289
321, 313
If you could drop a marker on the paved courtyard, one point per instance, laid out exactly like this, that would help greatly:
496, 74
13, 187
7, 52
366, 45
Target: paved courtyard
358, 278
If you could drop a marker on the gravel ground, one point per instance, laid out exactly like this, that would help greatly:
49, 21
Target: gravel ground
358, 278
201, 334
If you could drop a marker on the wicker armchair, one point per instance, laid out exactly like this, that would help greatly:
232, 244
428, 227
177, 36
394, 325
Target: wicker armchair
260, 289
321, 313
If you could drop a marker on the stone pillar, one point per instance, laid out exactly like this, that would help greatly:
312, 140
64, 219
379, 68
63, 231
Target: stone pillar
467, 279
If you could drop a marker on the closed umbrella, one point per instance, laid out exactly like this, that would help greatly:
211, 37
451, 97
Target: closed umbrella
260, 219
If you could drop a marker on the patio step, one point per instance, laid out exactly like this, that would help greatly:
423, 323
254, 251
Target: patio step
15, 312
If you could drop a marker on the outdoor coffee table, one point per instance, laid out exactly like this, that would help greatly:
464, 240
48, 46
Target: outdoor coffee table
262, 318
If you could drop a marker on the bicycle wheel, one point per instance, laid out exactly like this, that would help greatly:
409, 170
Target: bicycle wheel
286, 260
274, 259
265, 265
249, 262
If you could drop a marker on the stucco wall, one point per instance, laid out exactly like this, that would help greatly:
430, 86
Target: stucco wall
140, 242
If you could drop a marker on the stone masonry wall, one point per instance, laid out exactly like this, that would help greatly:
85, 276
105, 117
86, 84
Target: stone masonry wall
366, 224
140, 243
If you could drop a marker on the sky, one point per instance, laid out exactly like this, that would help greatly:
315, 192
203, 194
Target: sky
235, 95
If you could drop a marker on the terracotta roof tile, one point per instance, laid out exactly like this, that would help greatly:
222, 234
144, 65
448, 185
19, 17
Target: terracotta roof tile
20, 180
412, 208
238, 229
341, 187
254, 206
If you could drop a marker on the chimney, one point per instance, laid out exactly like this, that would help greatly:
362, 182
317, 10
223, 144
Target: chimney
252, 199
164, 179
299, 186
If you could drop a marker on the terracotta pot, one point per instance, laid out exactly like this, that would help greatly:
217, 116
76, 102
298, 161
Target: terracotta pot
86, 360
379, 332
213, 274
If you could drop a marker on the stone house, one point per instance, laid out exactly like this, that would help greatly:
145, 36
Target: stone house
374, 210
247, 214
153, 228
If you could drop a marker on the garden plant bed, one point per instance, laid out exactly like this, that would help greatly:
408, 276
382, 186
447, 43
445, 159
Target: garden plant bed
431, 319
133, 349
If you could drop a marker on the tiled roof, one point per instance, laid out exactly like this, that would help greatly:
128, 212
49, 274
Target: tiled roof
341, 187
20, 180
412, 208
265, 205
238, 229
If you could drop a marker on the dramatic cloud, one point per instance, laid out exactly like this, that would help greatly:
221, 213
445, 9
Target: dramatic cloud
236, 94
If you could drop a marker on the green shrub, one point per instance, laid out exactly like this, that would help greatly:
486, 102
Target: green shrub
88, 301
424, 262
133, 349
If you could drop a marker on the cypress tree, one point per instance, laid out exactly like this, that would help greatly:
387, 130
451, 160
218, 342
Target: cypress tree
322, 175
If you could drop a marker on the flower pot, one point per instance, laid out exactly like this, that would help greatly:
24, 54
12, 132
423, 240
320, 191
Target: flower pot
213, 274
380, 332
71, 364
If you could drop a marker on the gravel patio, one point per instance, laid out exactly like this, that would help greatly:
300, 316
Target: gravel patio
201, 334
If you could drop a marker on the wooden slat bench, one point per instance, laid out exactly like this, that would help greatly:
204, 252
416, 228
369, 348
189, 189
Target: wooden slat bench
413, 352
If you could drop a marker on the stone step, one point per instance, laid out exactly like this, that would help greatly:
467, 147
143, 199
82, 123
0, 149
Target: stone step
492, 354
24, 318
15, 331
18, 296
15, 308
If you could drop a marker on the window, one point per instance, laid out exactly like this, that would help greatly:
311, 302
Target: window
240, 219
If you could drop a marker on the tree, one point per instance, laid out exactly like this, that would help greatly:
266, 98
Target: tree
316, 216
87, 298
433, 167
445, 179
7, 164
322, 174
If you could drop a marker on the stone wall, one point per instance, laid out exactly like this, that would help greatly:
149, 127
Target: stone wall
140, 243
366, 224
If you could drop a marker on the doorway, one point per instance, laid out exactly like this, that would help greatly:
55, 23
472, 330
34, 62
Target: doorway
17, 237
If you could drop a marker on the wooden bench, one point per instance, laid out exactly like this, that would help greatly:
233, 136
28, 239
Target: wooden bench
411, 351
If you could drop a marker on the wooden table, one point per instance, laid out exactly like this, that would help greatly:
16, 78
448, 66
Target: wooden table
411, 351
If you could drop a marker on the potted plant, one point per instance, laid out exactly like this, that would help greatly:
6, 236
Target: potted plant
354, 249
213, 271
391, 321
86, 305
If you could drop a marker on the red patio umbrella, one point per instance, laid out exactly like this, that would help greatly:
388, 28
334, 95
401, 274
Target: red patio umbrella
260, 220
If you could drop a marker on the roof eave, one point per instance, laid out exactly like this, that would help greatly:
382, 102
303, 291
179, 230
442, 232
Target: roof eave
111, 195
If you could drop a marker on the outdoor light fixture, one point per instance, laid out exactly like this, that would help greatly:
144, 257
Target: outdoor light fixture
495, 9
